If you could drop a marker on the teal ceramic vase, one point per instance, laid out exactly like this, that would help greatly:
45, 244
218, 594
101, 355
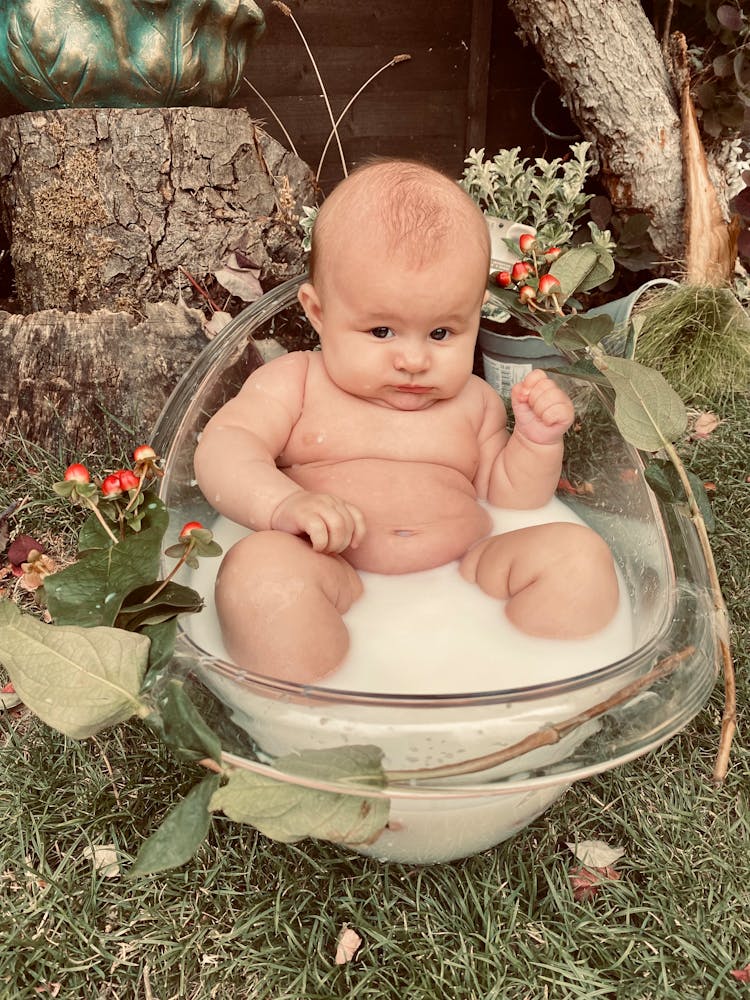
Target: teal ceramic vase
125, 53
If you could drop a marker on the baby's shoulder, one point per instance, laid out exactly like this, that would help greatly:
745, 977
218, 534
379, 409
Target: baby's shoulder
480, 394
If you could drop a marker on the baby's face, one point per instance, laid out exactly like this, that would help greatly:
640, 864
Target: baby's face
396, 335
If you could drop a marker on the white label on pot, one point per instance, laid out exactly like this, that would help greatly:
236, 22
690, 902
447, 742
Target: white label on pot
502, 375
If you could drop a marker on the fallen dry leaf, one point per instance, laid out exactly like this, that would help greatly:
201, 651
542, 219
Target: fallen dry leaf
104, 858
595, 853
347, 945
741, 975
216, 324
709, 487
8, 698
586, 882
705, 424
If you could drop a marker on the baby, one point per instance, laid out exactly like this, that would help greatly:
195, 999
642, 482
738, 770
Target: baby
372, 453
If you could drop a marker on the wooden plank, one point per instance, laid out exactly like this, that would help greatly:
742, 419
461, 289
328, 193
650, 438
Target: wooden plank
479, 70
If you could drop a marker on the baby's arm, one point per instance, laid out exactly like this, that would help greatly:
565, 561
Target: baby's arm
235, 462
526, 471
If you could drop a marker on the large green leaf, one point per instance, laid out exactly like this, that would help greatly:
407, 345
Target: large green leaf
91, 591
181, 833
174, 599
648, 412
573, 267
77, 680
289, 812
577, 331
182, 725
665, 481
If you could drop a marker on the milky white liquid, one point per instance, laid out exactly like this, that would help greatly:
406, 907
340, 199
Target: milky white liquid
431, 633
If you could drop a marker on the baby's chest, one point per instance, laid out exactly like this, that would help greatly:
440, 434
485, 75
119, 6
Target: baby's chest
343, 431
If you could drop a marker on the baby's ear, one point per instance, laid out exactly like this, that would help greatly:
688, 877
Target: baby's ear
308, 299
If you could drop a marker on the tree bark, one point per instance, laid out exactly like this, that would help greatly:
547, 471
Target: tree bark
65, 375
607, 63
104, 207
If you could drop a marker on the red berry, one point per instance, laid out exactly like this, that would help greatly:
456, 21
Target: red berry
552, 254
503, 279
526, 293
77, 473
143, 453
128, 479
526, 242
548, 284
519, 271
111, 486
188, 528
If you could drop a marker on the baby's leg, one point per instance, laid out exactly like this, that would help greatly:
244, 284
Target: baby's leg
558, 579
280, 605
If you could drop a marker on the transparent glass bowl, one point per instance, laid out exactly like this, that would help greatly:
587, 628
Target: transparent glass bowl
466, 769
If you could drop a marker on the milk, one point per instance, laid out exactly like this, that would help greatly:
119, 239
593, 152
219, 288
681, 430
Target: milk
431, 633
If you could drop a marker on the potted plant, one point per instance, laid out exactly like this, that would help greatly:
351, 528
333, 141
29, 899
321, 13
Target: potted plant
545, 198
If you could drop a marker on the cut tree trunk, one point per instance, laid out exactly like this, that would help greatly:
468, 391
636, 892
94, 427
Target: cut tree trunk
104, 208
607, 63
107, 211
65, 376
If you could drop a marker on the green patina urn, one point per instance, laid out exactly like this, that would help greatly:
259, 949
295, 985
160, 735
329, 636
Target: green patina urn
125, 53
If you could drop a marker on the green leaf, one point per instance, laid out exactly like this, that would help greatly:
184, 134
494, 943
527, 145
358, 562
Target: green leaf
161, 650
91, 591
183, 727
648, 412
664, 480
582, 369
572, 268
289, 812
181, 834
577, 331
76, 680
602, 271
173, 600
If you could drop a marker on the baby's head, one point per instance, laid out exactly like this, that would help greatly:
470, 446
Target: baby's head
399, 273
404, 209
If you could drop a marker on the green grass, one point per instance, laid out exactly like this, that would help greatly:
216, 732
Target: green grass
249, 918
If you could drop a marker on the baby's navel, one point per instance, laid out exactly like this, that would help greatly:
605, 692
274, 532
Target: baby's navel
404, 532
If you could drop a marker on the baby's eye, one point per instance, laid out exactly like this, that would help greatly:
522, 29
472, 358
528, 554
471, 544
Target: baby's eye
382, 332
440, 334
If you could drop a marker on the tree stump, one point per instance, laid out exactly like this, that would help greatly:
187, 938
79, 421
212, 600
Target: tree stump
104, 206
71, 374
107, 211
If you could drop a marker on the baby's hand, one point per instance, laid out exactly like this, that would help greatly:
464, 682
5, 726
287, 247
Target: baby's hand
331, 523
542, 410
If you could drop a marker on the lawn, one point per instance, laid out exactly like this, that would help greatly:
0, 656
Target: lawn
250, 918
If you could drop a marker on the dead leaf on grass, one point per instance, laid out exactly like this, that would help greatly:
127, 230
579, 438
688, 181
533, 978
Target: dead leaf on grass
216, 324
347, 945
586, 882
595, 853
705, 424
741, 975
104, 858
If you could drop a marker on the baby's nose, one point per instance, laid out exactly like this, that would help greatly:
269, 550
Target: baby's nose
412, 359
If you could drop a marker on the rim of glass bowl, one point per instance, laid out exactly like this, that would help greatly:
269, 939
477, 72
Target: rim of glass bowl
167, 433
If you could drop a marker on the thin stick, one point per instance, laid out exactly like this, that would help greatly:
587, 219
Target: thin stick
276, 117
285, 10
729, 716
199, 290
549, 734
404, 57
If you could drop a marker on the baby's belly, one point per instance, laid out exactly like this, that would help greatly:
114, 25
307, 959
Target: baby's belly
417, 515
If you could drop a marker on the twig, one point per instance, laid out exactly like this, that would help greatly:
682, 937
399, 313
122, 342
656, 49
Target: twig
666, 27
276, 117
110, 772
729, 717
199, 289
404, 57
285, 10
552, 734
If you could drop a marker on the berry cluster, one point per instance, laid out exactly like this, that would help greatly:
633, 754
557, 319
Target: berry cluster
537, 288
122, 489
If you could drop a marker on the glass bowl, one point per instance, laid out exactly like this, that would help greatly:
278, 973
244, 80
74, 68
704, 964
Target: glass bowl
464, 769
